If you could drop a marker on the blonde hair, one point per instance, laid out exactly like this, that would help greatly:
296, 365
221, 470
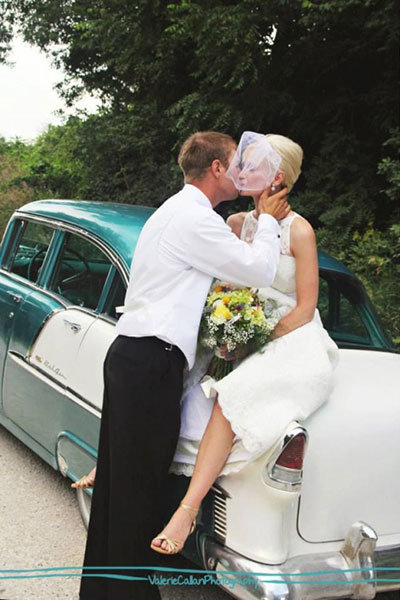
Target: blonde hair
291, 155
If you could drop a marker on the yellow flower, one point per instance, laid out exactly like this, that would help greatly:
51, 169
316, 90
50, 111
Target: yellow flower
222, 311
217, 289
225, 299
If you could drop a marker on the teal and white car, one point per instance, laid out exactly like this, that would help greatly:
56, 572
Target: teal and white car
316, 517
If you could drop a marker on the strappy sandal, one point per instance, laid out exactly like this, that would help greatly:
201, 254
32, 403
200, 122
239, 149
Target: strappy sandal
174, 545
84, 482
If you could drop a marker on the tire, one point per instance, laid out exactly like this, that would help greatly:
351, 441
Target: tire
84, 503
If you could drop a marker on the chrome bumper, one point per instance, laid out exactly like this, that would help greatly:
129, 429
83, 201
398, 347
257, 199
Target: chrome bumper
288, 582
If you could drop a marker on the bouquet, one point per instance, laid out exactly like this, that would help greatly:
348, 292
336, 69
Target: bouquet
235, 320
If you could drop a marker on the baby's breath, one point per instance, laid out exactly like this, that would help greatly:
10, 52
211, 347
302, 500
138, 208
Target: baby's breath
236, 317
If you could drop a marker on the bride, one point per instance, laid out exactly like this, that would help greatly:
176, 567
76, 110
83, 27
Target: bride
228, 423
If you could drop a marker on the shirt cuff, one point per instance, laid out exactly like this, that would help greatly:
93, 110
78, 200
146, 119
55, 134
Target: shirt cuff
269, 222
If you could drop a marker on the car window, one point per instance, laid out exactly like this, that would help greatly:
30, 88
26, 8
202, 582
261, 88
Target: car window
80, 271
116, 297
31, 250
342, 309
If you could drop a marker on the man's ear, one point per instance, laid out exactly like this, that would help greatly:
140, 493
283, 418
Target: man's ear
216, 169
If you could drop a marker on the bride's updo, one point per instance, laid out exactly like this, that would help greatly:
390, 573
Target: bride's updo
291, 154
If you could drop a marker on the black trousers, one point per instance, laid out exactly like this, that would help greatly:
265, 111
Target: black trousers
138, 436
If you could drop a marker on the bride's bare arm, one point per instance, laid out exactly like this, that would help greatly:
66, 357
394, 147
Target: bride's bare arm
304, 248
235, 222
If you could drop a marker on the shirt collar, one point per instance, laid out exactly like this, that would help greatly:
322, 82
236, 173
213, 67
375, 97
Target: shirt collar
197, 195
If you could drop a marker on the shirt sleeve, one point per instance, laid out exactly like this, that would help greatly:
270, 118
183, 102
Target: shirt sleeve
210, 246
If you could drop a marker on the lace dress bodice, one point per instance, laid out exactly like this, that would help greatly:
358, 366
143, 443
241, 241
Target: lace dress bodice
285, 278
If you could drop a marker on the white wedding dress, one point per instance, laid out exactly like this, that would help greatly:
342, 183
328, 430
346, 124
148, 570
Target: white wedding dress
265, 391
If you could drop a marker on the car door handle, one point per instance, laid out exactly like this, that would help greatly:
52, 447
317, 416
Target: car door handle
15, 297
74, 326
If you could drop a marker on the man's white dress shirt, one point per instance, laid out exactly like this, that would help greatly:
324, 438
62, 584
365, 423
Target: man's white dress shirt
182, 246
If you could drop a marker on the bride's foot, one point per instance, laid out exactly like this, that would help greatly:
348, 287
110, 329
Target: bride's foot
85, 481
173, 537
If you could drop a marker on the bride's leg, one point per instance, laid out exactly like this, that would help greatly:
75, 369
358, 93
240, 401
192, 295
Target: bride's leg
214, 449
86, 481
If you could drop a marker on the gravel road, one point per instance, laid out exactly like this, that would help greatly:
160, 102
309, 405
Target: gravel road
40, 526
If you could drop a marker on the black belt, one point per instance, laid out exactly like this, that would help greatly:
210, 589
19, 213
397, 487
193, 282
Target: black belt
167, 346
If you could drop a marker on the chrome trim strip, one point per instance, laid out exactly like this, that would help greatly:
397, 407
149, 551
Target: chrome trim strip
47, 317
53, 383
107, 319
81, 401
36, 371
387, 556
34, 286
267, 473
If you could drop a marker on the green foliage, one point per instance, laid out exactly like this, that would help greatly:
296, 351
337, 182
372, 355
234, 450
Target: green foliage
389, 167
375, 257
323, 73
11, 196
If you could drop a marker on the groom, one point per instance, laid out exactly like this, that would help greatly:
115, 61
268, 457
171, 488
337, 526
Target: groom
183, 245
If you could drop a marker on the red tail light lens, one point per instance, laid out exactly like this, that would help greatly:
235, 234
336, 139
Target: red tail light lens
292, 456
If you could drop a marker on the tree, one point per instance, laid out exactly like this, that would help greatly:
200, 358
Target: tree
323, 73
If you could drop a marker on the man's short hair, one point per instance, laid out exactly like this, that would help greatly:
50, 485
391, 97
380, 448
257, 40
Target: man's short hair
199, 151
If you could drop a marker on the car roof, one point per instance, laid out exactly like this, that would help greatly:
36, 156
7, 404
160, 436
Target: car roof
119, 225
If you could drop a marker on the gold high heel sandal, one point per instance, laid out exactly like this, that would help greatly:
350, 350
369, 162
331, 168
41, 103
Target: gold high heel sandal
174, 545
84, 482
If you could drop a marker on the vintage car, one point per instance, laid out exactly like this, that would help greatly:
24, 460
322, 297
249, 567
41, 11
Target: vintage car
316, 517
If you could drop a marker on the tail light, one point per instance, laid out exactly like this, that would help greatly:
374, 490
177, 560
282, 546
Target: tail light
292, 455
284, 467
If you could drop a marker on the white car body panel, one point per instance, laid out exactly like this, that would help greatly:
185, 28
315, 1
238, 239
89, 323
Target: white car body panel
352, 463
57, 345
87, 376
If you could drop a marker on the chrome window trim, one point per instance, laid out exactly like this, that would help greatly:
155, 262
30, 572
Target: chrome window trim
65, 226
107, 319
267, 472
55, 384
58, 225
7, 251
20, 234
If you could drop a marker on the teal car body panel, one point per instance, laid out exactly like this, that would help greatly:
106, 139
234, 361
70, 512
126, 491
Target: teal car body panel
119, 225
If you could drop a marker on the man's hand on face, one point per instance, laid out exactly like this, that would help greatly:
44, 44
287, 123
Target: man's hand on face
276, 205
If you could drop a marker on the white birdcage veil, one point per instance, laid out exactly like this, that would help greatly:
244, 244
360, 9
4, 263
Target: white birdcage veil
255, 163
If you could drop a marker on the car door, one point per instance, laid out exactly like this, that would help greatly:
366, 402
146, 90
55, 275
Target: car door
39, 368
87, 374
26, 250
